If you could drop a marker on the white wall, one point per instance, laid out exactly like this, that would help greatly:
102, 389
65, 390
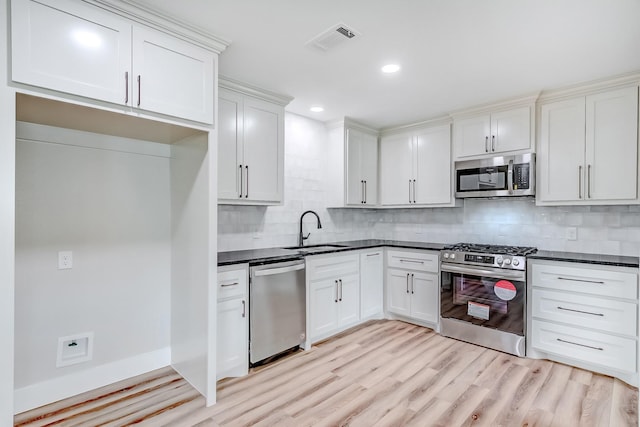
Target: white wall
600, 229
111, 207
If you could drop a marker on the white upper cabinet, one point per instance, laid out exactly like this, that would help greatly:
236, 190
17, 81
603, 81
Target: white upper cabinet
588, 149
79, 49
250, 149
487, 134
362, 167
415, 167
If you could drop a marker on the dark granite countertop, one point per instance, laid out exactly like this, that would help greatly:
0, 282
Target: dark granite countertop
270, 255
616, 260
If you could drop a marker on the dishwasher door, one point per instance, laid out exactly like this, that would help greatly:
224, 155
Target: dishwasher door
277, 309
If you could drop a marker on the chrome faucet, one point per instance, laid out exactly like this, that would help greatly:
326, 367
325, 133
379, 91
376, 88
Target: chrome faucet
301, 236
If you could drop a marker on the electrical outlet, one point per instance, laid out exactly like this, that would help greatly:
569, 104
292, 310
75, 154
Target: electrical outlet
572, 233
65, 260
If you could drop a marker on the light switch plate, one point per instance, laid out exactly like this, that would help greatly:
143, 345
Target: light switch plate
65, 260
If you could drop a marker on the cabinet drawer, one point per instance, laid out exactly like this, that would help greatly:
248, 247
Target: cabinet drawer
323, 266
586, 346
419, 261
232, 283
610, 283
607, 315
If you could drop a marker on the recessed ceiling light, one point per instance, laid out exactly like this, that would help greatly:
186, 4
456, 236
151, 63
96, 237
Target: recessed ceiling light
316, 109
391, 68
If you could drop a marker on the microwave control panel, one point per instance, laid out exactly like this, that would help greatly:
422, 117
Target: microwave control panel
521, 176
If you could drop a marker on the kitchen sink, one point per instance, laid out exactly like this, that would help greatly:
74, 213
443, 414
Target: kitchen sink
314, 248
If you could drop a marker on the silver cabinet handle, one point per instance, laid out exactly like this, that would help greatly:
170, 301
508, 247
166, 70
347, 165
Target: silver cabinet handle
244, 309
336, 300
376, 254
412, 261
580, 182
126, 87
486, 144
493, 143
589, 181
246, 194
241, 181
413, 284
226, 285
365, 192
407, 282
361, 191
581, 345
409, 191
598, 282
138, 90
580, 311
340, 299
414, 191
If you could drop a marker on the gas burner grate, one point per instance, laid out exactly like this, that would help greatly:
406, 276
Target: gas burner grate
493, 249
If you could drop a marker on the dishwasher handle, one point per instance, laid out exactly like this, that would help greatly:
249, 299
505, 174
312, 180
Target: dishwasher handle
279, 270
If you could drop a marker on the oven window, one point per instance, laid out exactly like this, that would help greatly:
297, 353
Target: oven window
486, 301
482, 179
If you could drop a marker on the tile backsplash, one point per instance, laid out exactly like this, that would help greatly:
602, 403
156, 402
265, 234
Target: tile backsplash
516, 221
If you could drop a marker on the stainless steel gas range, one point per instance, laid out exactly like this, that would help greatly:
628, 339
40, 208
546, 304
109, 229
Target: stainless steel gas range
483, 295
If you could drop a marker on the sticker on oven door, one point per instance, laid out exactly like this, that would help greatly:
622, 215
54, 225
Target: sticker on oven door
480, 311
505, 290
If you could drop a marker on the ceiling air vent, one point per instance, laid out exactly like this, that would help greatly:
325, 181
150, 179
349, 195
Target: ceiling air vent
333, 37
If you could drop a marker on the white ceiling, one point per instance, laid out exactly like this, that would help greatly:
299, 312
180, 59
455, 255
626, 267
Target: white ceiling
454, 53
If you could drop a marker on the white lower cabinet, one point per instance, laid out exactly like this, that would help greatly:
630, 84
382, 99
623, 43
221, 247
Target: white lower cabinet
372, 283
584, 315
413, 286
333, 294
232, 347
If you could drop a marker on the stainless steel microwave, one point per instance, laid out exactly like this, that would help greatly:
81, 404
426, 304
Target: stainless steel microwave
503, 176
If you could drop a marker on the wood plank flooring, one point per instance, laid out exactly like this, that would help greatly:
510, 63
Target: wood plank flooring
382, 373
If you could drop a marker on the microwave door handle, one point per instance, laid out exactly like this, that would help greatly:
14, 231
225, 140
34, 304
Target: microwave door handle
510, 177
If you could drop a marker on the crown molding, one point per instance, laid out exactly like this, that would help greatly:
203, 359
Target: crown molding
527, 100
155, 19
254, 91
436, 121
590, 87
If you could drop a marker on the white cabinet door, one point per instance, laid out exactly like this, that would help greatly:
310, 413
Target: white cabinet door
263, 150
230, 132
349, 300
612, 145
433, 165
398, 292
561, 152
472, 135
232, 348
172, 77
324, 307
424, 297
362, 168
71, 47
371, 283
511, 130
396, 170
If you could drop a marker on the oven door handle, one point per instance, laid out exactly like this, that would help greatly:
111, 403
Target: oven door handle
502, 274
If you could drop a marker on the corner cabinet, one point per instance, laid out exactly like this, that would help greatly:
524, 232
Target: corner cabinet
233, 322
83, 50
415, 167
505, 131
588, 150
584, 315
413, 286
333, 294
250, 146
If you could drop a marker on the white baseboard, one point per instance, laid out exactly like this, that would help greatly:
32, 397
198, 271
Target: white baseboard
43, 393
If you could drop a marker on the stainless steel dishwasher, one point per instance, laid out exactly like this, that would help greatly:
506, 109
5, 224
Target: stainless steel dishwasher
277, 309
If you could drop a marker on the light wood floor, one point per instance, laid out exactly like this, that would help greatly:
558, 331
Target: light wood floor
383, 373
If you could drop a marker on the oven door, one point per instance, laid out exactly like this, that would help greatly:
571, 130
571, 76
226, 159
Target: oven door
489, 297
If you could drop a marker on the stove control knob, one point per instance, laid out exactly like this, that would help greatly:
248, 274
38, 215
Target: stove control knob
453, 256
445, 255
499, 260
516, 263
507, 261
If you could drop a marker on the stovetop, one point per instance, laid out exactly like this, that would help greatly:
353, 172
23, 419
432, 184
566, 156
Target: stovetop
496, 256
492, 249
